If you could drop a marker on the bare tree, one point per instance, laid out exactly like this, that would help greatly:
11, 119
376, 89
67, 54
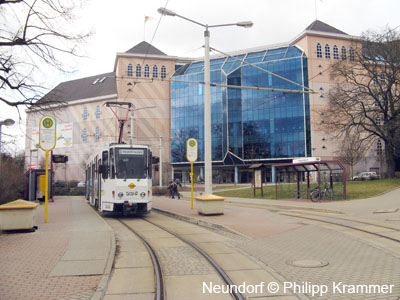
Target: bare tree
34, 33
352, 149
366, 98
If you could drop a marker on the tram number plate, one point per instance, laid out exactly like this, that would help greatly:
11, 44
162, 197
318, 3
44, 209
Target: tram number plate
108, 206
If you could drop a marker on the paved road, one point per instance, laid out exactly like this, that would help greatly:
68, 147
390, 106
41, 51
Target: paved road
353, 258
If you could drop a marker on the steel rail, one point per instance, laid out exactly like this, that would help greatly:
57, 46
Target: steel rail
221, 272
344, 225
160, 288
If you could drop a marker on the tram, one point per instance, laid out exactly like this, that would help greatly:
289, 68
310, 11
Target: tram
119, 179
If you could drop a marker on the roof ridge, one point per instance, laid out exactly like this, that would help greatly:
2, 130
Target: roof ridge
320, 26
145, 48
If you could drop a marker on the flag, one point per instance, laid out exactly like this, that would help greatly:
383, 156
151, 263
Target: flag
147, 18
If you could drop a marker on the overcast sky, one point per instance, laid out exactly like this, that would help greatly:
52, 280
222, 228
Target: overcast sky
119, 25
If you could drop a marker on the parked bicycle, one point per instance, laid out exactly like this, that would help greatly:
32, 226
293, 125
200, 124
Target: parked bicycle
326, 191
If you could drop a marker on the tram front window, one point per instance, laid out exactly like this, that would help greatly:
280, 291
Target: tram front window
131, 163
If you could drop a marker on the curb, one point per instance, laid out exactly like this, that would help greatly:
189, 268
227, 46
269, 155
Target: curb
198, 222
287, 207
105, 278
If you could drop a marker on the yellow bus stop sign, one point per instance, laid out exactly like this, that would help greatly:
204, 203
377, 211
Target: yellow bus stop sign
47, 142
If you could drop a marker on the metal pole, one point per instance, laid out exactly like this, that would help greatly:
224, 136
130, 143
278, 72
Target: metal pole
131, 139
160, 161
46, 197
0, 143
30, 175
191, 182
207, 116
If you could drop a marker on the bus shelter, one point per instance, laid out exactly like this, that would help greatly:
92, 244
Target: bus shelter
325, 179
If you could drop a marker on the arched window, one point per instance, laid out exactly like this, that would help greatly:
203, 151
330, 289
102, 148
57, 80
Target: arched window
379, 147
138, 70
85, 113
375, 78
351, 54
319, 50
163, 72
327, 51
335, 52
130, 70
84, 135
146, 71
98, 112
344, 54
97, 133
383, 78
155, 71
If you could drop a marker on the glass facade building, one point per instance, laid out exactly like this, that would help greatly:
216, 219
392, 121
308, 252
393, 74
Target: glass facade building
249, 125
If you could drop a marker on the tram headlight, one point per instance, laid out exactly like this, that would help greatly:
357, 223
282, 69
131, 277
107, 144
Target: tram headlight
142, 194
120, 194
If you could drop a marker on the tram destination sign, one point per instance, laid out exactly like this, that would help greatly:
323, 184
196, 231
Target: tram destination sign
47, 133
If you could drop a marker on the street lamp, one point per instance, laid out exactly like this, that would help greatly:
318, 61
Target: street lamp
7, 122
207, 95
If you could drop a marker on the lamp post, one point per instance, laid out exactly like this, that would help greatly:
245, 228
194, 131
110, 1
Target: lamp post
7, 122
207, 95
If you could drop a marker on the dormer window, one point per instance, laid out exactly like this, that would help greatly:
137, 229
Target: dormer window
138, 70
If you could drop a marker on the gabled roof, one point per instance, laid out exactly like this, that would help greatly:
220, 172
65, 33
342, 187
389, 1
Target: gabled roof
145, 48
323, 27
83, 88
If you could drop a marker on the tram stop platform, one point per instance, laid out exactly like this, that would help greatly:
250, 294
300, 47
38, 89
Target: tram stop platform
69, 257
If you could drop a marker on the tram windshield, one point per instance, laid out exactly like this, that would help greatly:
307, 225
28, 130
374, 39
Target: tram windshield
131, 163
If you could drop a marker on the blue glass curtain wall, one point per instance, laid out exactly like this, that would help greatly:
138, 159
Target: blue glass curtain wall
250, 124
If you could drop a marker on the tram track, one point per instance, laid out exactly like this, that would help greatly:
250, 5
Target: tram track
321, 216
381, 235
160, 285
159, 279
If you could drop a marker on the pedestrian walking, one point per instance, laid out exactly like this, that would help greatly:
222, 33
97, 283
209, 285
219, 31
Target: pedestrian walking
171, 190
175, 185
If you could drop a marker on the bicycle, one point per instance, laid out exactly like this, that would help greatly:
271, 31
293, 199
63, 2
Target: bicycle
315, 194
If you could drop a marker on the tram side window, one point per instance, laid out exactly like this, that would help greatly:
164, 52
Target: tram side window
150, 164
105, 164
112, 163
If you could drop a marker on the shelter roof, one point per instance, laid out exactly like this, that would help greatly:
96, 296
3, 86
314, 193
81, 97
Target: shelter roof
312, 166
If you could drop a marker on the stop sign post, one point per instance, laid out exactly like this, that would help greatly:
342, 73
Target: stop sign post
47, 142
192, 150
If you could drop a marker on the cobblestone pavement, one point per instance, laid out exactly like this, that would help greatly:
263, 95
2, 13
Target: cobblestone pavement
27, 258
352, 261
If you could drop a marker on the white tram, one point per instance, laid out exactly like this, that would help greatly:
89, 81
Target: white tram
119, 179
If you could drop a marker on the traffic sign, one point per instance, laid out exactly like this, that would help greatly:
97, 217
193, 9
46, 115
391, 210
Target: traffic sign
47, 142
47, 133
192, 147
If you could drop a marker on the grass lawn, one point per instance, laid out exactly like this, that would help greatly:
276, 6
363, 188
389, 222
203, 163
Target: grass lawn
355, 190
